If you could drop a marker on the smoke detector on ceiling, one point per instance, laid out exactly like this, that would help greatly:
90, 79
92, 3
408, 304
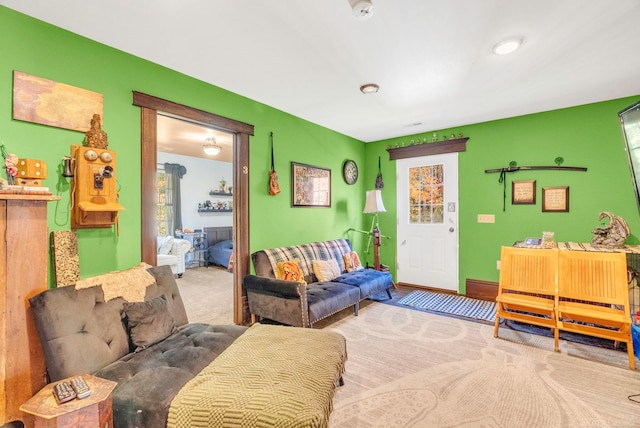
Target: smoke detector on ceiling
362, 9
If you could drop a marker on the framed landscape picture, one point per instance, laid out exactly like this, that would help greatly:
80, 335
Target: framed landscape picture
310, 186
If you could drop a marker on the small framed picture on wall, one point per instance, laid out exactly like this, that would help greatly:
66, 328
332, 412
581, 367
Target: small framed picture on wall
555, 199
523, 192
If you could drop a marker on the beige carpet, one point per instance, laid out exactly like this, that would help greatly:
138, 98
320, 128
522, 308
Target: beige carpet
207, 294
414, 369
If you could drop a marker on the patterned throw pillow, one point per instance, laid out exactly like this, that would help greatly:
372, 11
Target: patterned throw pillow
326, 270
352, 261
290, 271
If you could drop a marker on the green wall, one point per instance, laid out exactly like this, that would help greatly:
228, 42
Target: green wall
585, 136
37, 48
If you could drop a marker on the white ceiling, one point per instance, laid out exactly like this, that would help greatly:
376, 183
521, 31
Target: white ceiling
186, 138
432, 59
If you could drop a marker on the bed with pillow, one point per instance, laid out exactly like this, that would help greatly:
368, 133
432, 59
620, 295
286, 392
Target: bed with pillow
302, 284
221, 254
220, 246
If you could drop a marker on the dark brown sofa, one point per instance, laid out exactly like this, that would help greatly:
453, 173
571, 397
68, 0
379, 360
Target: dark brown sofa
81, 333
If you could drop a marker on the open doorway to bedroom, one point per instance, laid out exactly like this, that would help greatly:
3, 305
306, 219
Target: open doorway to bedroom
151, 108
195, 210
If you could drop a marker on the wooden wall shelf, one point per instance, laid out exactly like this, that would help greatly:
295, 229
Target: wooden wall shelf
439, 147
220, 194
200, 210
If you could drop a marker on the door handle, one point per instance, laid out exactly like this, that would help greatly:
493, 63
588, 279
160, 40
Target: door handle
451, 229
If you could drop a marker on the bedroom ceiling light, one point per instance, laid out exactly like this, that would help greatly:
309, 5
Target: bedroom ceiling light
369, 88
211, 147
507, 46
362, 9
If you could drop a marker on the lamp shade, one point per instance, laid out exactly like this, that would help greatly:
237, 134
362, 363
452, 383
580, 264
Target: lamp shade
374, 203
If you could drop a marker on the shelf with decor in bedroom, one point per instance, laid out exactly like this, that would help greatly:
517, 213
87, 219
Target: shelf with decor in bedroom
214, 193
208, 210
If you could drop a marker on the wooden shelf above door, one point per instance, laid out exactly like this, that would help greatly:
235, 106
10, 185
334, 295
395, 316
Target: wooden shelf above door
426, 149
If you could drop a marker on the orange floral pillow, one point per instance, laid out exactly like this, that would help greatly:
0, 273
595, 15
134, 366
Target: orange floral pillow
352, 261
290, 271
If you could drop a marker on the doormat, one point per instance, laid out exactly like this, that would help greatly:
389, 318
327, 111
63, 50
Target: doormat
451, 304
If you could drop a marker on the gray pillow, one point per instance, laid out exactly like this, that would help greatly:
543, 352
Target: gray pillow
149, 322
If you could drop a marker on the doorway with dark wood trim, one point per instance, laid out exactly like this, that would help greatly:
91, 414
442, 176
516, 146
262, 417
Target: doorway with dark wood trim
150, 106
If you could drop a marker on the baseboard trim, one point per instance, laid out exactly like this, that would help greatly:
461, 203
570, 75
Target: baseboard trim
423, 288
483, 290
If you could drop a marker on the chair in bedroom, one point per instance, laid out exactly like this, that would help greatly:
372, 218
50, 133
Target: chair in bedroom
172, 252
593, 296
527, 287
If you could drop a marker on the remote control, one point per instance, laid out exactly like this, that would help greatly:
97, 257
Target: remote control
80, 387
63, 392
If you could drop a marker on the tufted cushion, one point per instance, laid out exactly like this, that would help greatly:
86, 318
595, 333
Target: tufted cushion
148, 380
148, 322
80, 333
369, 281
326, 298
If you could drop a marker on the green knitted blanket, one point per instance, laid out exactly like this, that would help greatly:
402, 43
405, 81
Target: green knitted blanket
271, 376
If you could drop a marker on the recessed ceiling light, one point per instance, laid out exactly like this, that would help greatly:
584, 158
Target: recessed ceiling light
507, 46
369, 88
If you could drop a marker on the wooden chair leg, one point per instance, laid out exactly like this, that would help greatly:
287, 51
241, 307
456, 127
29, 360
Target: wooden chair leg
632, 356
496, 323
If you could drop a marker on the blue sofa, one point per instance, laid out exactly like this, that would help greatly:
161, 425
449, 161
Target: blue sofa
301, 305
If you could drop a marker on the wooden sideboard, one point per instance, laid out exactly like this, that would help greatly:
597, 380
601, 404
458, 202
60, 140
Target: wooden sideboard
23, 274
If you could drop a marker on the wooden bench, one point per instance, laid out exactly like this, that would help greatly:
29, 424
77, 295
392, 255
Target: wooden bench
579, 291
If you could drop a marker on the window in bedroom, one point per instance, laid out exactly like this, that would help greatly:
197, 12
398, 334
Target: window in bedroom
161, 203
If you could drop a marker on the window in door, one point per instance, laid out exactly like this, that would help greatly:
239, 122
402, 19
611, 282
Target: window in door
426, 194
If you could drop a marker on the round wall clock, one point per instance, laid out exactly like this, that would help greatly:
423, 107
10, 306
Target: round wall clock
350, 172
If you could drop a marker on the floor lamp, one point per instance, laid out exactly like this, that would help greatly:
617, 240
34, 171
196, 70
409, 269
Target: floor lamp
373, 205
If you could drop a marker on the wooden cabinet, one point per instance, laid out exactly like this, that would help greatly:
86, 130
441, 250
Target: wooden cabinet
23, 274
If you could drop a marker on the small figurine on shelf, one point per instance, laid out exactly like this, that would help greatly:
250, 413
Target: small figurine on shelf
223, 186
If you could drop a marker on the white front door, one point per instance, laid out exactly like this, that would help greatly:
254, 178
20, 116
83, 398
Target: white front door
428, 221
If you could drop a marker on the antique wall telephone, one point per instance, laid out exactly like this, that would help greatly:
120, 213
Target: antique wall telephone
94, 197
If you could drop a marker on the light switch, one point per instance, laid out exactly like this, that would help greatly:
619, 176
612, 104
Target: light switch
486, 218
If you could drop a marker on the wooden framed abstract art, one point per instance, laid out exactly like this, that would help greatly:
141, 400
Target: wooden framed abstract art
310, 186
